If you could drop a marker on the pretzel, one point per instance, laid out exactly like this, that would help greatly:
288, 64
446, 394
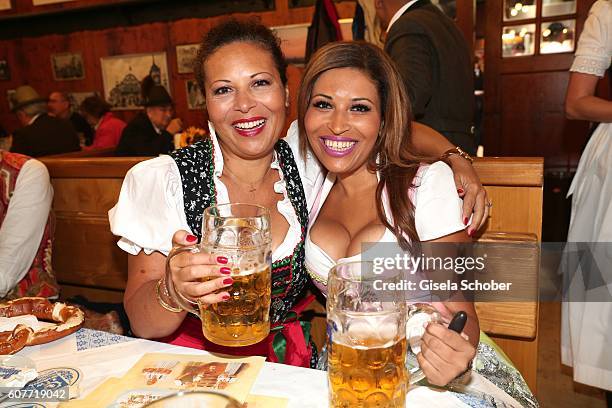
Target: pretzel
68, 318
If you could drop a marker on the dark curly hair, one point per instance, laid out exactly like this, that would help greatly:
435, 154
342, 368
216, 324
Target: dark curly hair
233, 30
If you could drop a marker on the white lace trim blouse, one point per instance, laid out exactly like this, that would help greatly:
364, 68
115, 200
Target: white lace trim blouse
594, 50
150, 208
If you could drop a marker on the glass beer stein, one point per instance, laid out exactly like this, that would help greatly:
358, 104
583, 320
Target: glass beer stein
366, 339
241, 233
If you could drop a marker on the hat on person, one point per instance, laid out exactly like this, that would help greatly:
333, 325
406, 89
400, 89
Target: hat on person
157, 96
25, 95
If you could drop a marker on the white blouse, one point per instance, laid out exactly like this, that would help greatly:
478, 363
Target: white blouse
594, 50
438, 210
150, 208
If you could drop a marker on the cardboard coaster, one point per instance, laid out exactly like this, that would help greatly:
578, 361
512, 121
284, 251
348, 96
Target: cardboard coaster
59, 378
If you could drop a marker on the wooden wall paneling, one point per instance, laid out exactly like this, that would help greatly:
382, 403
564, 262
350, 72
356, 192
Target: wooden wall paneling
465, 20
30, 63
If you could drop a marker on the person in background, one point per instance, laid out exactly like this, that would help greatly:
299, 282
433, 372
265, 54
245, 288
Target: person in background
150, 133
41, 134
586, 321
5, 139
59, 105
108, 128
26, 228
436, 66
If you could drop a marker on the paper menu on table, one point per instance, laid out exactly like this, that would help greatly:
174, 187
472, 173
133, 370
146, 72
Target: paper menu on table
155, 375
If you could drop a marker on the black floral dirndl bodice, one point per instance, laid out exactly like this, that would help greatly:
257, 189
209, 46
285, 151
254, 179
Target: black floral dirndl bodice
196, 167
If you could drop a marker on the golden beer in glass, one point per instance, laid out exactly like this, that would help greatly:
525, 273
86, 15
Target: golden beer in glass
366, 340
240, 233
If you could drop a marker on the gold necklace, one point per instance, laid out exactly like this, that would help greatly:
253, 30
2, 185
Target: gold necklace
251, 185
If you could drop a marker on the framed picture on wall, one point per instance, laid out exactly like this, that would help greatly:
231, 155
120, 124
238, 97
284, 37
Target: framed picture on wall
185, 57
122, 75
76, 98
195, 99
5, 4
67, 66
293, 41
5, 70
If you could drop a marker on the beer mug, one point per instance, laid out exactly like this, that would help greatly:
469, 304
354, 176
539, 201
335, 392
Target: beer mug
241, 233
195, 399
366, 338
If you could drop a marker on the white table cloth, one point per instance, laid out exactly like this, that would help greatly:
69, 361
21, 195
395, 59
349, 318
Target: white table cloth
99, 355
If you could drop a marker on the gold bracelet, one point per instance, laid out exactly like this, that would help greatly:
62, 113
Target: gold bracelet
162, 302
456, 151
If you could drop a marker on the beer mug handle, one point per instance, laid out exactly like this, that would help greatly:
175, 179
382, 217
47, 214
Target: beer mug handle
183, 301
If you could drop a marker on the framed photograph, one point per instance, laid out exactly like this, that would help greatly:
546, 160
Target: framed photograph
185, 57
122, 75
293, 41
5, 70
5, 4
67, 66
76, 98
195, 99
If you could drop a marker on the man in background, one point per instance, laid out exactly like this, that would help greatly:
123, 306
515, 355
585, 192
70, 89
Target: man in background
436, 65
41, 134
150, 133
59, 105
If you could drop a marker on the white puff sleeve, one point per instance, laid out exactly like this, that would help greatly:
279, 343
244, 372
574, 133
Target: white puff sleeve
311, 172
437, 204
594, 49
150, 207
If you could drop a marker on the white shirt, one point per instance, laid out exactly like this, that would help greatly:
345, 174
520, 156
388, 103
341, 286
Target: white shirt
399, 13
24, 224
151, 207
437, 213
34, 119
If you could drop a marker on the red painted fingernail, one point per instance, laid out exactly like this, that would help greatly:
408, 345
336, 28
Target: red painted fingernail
225, 270
460, 190
228, 281
225, 297
465, 221
191, 238
221, 260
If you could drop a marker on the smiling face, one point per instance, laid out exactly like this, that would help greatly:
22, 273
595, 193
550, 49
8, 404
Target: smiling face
245, 99
343, 119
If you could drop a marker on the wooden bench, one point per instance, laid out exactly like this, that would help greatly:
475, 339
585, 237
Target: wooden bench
88, 261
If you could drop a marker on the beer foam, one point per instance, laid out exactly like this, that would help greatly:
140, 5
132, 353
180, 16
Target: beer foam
374, 329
